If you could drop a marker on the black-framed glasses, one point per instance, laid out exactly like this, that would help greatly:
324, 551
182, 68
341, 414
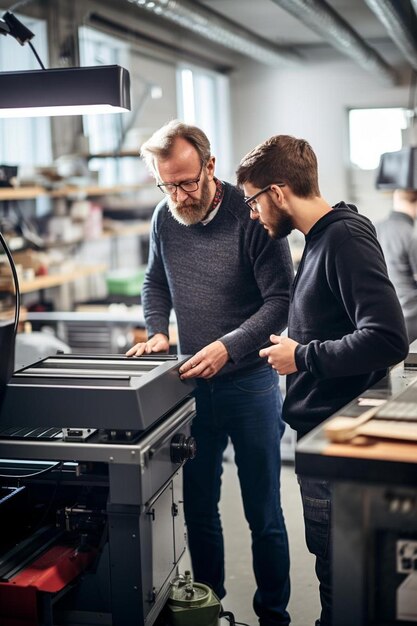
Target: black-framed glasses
251, 201
187, 185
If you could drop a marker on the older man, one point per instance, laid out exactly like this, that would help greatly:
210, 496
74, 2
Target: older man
229, 286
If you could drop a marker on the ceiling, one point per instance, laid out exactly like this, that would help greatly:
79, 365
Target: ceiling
275, 24
379, 35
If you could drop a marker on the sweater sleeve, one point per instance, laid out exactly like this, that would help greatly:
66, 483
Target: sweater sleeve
156, 297
358, 279
273, 271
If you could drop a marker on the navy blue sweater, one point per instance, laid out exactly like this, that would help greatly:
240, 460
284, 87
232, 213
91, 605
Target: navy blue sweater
225, 280
345, 314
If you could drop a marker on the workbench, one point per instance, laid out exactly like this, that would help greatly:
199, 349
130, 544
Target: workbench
374, 514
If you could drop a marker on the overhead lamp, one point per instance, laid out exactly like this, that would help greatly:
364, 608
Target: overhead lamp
60, 91
65, 91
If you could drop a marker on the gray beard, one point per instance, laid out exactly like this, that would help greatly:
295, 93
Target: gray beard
194, 212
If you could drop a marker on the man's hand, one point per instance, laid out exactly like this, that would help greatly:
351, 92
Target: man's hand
206, 362
157, 343
281, 356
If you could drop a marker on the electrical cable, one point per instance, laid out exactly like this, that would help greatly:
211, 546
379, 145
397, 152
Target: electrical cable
22, 34
32, 47
228, 615
16, 284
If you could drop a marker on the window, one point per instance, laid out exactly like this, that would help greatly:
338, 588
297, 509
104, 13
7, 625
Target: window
203, 100
373, 132
25, 141
105, 132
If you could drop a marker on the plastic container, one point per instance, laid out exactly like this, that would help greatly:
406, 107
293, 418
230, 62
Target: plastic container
125, 282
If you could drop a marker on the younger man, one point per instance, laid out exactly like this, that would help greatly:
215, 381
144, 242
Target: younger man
345, 325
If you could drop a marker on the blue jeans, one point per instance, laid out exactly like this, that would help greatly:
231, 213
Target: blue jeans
246, 408
316, 497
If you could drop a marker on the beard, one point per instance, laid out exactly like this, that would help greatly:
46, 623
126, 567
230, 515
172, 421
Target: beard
191, 211
281, 225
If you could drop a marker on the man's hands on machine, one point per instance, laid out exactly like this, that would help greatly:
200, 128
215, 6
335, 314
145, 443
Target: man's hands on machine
157, 343
206, 362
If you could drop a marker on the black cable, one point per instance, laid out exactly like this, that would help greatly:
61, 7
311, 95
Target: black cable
16, 284
36, 55
20, 32
228, 615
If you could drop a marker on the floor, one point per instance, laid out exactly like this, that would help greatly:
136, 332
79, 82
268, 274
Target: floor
240, 585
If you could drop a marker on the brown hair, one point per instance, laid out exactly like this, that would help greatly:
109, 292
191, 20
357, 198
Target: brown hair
281, 159
162, 141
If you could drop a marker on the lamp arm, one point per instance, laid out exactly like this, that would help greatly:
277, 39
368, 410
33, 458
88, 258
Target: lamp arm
10, 25
4, 29
16, 29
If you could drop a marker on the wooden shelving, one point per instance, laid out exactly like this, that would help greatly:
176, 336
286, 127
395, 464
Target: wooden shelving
121, 229
55, 280
138, 228
21, 193
70, 191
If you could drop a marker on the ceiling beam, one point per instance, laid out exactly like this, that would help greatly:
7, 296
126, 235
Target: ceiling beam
326, 22
211, 25
397, 27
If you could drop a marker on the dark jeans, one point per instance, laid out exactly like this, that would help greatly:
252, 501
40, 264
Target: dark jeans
316, 497
246, 408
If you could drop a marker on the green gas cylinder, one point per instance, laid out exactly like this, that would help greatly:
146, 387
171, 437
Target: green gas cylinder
192, 604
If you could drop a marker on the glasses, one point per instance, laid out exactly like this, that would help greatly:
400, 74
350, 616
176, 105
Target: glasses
188, 185
252, 201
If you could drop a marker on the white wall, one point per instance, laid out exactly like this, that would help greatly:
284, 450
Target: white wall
311, 102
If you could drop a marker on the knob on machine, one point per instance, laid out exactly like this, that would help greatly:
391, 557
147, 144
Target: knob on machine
182, 448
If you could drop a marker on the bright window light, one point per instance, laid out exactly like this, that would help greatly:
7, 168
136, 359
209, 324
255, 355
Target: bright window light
105, 132
373, 132
203, 100
27, 140
188, 98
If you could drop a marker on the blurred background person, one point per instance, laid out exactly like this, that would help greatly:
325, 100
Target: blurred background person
398, 240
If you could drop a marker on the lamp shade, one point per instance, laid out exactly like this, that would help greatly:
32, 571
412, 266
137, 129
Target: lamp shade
65, 91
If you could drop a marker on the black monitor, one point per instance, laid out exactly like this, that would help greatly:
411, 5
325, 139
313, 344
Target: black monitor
398, 170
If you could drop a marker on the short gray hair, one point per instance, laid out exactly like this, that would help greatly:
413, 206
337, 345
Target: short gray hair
161, 143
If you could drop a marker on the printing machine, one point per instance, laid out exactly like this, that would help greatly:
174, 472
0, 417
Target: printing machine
91, 451
93, 524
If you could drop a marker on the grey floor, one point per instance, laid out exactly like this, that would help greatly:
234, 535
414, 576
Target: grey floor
240, 585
